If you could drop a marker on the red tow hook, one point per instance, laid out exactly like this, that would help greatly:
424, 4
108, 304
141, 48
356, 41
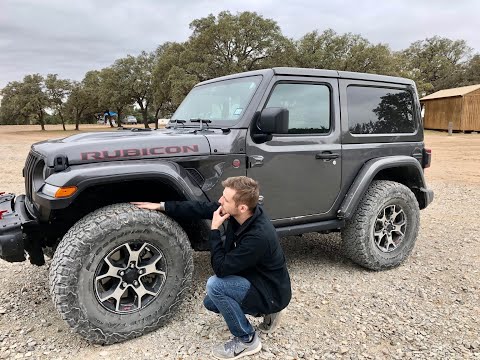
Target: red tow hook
2, 212
3, 192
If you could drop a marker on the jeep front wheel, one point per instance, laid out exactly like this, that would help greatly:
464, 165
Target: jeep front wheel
382, 232
120, 272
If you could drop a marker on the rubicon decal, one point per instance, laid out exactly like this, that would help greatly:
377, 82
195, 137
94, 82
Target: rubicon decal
127, 153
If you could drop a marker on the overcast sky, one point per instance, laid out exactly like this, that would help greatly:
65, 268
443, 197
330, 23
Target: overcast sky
72, 37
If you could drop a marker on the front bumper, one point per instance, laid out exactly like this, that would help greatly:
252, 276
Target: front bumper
13, 218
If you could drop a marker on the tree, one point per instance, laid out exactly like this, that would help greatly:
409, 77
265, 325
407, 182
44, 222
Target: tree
436, 62
36, 100
26, 99
58, 91
170, 82
139, 77
12, 108
84, 97
114, 89
229, 43
471, 71
348, 52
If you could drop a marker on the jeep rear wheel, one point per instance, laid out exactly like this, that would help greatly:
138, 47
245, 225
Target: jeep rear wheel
383, 231
120, 272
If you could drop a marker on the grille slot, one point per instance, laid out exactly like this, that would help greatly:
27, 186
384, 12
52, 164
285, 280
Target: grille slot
30, 164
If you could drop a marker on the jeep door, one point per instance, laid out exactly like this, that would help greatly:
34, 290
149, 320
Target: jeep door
300, 172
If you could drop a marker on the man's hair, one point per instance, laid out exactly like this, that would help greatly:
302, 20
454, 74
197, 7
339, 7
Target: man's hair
246, 190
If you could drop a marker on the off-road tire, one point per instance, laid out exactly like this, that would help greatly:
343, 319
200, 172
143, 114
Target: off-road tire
358, 235
83, 248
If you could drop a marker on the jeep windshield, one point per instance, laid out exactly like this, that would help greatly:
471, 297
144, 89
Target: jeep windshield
218, 103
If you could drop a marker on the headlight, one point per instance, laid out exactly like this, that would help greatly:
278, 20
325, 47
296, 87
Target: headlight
50, 190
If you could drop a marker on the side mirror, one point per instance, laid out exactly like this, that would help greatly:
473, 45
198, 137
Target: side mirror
273, 120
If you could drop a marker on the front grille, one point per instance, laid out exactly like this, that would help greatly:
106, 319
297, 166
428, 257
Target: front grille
28, 172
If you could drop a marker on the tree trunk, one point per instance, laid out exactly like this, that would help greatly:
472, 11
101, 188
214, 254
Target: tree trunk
77, 120
119, 117
156, 118
145, 118
40, 120
144, 111
63, 120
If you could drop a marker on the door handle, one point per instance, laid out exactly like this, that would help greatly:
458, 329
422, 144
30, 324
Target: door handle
326, 156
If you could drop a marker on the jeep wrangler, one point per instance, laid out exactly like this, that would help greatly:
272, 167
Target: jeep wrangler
332, 151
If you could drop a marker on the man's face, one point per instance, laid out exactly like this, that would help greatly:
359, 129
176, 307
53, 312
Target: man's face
228, 204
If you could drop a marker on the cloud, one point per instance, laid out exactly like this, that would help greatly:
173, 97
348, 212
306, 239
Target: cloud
70, 38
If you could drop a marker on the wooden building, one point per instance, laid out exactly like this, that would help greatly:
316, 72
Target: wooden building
461, 106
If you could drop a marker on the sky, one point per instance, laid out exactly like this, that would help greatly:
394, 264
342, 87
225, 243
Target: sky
70, 38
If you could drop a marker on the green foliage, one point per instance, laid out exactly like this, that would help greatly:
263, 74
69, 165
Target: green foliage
57, 91
137, 80
471, 71
84, 98
229, 43
436, 63
348, 52
25, 100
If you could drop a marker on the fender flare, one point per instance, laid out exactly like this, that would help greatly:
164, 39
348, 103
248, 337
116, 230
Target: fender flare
368, 172
85, 176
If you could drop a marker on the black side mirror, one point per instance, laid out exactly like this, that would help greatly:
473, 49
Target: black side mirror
273, 120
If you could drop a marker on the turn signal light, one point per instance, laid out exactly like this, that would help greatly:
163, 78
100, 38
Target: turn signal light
65, 191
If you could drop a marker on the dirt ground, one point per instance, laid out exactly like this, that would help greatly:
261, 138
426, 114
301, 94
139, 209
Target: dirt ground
427, 308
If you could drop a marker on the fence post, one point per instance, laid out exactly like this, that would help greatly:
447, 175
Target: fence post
450, 128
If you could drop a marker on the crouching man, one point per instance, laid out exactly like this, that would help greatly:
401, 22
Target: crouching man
251, 275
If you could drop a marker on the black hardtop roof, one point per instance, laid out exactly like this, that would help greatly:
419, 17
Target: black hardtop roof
316, 73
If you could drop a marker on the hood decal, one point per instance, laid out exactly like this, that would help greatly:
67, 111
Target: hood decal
128, 153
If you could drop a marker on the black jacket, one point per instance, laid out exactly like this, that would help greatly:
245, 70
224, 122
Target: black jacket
251, 250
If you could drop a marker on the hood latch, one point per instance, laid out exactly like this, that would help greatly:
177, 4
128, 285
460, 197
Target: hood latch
60, 163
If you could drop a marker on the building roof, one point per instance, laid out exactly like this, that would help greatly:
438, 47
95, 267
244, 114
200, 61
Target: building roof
460, 91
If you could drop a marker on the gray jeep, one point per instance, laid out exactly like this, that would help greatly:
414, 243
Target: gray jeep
332, 150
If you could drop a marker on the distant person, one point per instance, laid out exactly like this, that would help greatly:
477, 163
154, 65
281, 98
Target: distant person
251, 275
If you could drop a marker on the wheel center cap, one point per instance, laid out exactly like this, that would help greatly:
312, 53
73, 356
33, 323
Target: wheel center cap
130, 275
389, 227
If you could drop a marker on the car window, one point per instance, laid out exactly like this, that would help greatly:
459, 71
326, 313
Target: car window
308, 106
373, 110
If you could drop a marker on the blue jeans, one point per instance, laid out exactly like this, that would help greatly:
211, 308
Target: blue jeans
224, 296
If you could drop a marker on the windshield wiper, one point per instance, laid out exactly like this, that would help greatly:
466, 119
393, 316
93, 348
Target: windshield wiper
201, 121
176, 122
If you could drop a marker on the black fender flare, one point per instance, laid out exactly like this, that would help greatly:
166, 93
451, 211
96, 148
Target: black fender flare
368, 172
85, 176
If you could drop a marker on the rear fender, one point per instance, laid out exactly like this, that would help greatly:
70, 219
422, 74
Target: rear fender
416, 182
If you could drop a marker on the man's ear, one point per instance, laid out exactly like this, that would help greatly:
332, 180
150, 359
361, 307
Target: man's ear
243, 208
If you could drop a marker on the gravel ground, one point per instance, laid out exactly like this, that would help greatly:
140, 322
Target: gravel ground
428, 308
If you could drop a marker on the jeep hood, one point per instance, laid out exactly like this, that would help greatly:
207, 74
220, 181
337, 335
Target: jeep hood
123, 145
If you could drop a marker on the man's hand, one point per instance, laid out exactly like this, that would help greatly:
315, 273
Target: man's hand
219, 217
148, 205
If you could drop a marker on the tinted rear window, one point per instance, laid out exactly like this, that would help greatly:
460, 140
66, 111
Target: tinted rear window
374, 110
